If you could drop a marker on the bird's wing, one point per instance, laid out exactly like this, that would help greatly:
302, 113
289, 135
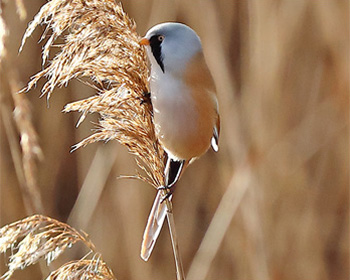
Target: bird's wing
154, 225
198, 76
216, 133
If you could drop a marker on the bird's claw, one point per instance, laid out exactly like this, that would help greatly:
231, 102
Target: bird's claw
169, 191
146, 98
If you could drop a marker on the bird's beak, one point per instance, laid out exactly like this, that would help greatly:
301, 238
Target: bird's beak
144, 41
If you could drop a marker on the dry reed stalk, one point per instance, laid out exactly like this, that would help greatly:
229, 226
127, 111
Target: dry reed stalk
26, 167
3, 35
230, 202
31, 151
24, 160
101, 44
92, 187
37, 237
21, 11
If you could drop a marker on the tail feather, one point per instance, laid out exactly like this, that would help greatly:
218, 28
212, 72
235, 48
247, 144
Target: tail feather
154, 225
173, 172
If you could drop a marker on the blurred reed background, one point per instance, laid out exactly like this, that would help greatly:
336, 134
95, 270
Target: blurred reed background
282, 74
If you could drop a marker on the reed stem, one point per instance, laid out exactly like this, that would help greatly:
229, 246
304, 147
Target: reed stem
180, 275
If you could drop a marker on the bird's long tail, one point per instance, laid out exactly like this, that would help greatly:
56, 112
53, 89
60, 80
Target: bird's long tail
154, 225
173, 171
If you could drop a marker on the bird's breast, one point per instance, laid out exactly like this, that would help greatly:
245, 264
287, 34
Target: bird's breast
183, 122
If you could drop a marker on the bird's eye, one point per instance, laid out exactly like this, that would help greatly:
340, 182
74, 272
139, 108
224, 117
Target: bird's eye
160, 38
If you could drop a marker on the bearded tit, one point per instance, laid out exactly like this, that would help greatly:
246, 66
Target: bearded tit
185, 109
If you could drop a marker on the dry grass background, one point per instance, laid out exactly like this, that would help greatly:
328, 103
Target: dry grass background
282, 74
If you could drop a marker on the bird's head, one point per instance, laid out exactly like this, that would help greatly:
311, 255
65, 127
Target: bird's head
170, 46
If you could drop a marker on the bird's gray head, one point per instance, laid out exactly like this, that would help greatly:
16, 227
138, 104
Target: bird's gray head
171, 45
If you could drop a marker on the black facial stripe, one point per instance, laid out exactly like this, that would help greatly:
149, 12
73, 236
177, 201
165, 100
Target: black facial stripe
156, 50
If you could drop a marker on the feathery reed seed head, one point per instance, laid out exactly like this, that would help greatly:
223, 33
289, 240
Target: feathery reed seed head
83, 269
38, 237
101, 43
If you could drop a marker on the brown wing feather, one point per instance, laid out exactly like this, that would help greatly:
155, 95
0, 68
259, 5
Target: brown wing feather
200, 79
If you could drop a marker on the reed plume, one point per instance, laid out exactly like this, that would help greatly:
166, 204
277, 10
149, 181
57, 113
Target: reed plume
101, 47
37, 237
94, 269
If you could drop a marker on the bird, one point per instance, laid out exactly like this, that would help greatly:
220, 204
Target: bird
185, 109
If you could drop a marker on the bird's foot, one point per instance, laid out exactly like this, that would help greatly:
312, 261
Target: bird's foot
169, 191
146, 98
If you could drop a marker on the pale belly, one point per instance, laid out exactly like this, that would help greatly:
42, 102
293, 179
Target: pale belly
183, 126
